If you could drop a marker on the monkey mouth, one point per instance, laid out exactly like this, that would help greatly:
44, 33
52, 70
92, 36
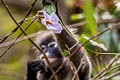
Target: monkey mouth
50, 59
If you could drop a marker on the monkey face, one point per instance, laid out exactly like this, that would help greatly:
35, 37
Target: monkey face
48, 43
52, 51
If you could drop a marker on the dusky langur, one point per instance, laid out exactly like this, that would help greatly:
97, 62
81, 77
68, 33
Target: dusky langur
80, 57
53, 44
38, 69
50, 44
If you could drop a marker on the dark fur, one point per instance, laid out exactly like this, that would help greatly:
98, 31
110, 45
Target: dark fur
40, 65
85, 70
80, 57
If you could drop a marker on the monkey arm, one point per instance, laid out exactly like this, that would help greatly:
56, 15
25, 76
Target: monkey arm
65, 38
85, 71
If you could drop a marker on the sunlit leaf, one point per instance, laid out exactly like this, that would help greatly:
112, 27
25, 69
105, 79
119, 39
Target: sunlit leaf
65, 53
75, 17
94, 43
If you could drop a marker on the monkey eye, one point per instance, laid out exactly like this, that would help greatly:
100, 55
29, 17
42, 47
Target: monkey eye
52, 44
43, 47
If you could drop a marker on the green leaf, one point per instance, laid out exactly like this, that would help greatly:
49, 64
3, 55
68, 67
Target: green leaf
50, 8
75, 17
65, 53
90, 28
94, 43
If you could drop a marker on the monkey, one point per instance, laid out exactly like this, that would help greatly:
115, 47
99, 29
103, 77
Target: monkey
48, 42
38, 69
80, 57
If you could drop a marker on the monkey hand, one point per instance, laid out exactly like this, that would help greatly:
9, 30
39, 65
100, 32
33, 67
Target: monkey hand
37, 65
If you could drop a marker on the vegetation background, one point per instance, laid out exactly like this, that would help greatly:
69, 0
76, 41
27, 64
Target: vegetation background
89, 16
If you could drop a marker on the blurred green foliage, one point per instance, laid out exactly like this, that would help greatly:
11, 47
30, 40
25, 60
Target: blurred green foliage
90, 28
14, 63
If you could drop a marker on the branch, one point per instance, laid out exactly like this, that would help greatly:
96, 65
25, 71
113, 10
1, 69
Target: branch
79, 67
109, 71
14, 41
97, 22
107, 67
109, 28
20, 23
112, 75
18, 40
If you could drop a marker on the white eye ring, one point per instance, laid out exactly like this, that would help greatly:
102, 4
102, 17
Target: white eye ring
52, 44
43, 47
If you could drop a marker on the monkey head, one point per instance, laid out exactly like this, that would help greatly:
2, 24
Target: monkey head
49, 45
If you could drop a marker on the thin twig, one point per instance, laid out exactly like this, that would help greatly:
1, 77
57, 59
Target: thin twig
77, 24
107, 67
109, 71
13, 42
112, 75
79, 67
20, 23
73, 68
97, 63
18, 40
8, 35
107, 53
109, 28
100, 33
60, 67
6, 7
98, 22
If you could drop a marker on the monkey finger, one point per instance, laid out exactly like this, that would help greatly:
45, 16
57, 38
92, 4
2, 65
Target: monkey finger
36, 65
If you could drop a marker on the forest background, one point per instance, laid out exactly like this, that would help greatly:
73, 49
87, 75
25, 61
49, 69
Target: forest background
99, 19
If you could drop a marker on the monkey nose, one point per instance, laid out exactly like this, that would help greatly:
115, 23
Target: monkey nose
47, 55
